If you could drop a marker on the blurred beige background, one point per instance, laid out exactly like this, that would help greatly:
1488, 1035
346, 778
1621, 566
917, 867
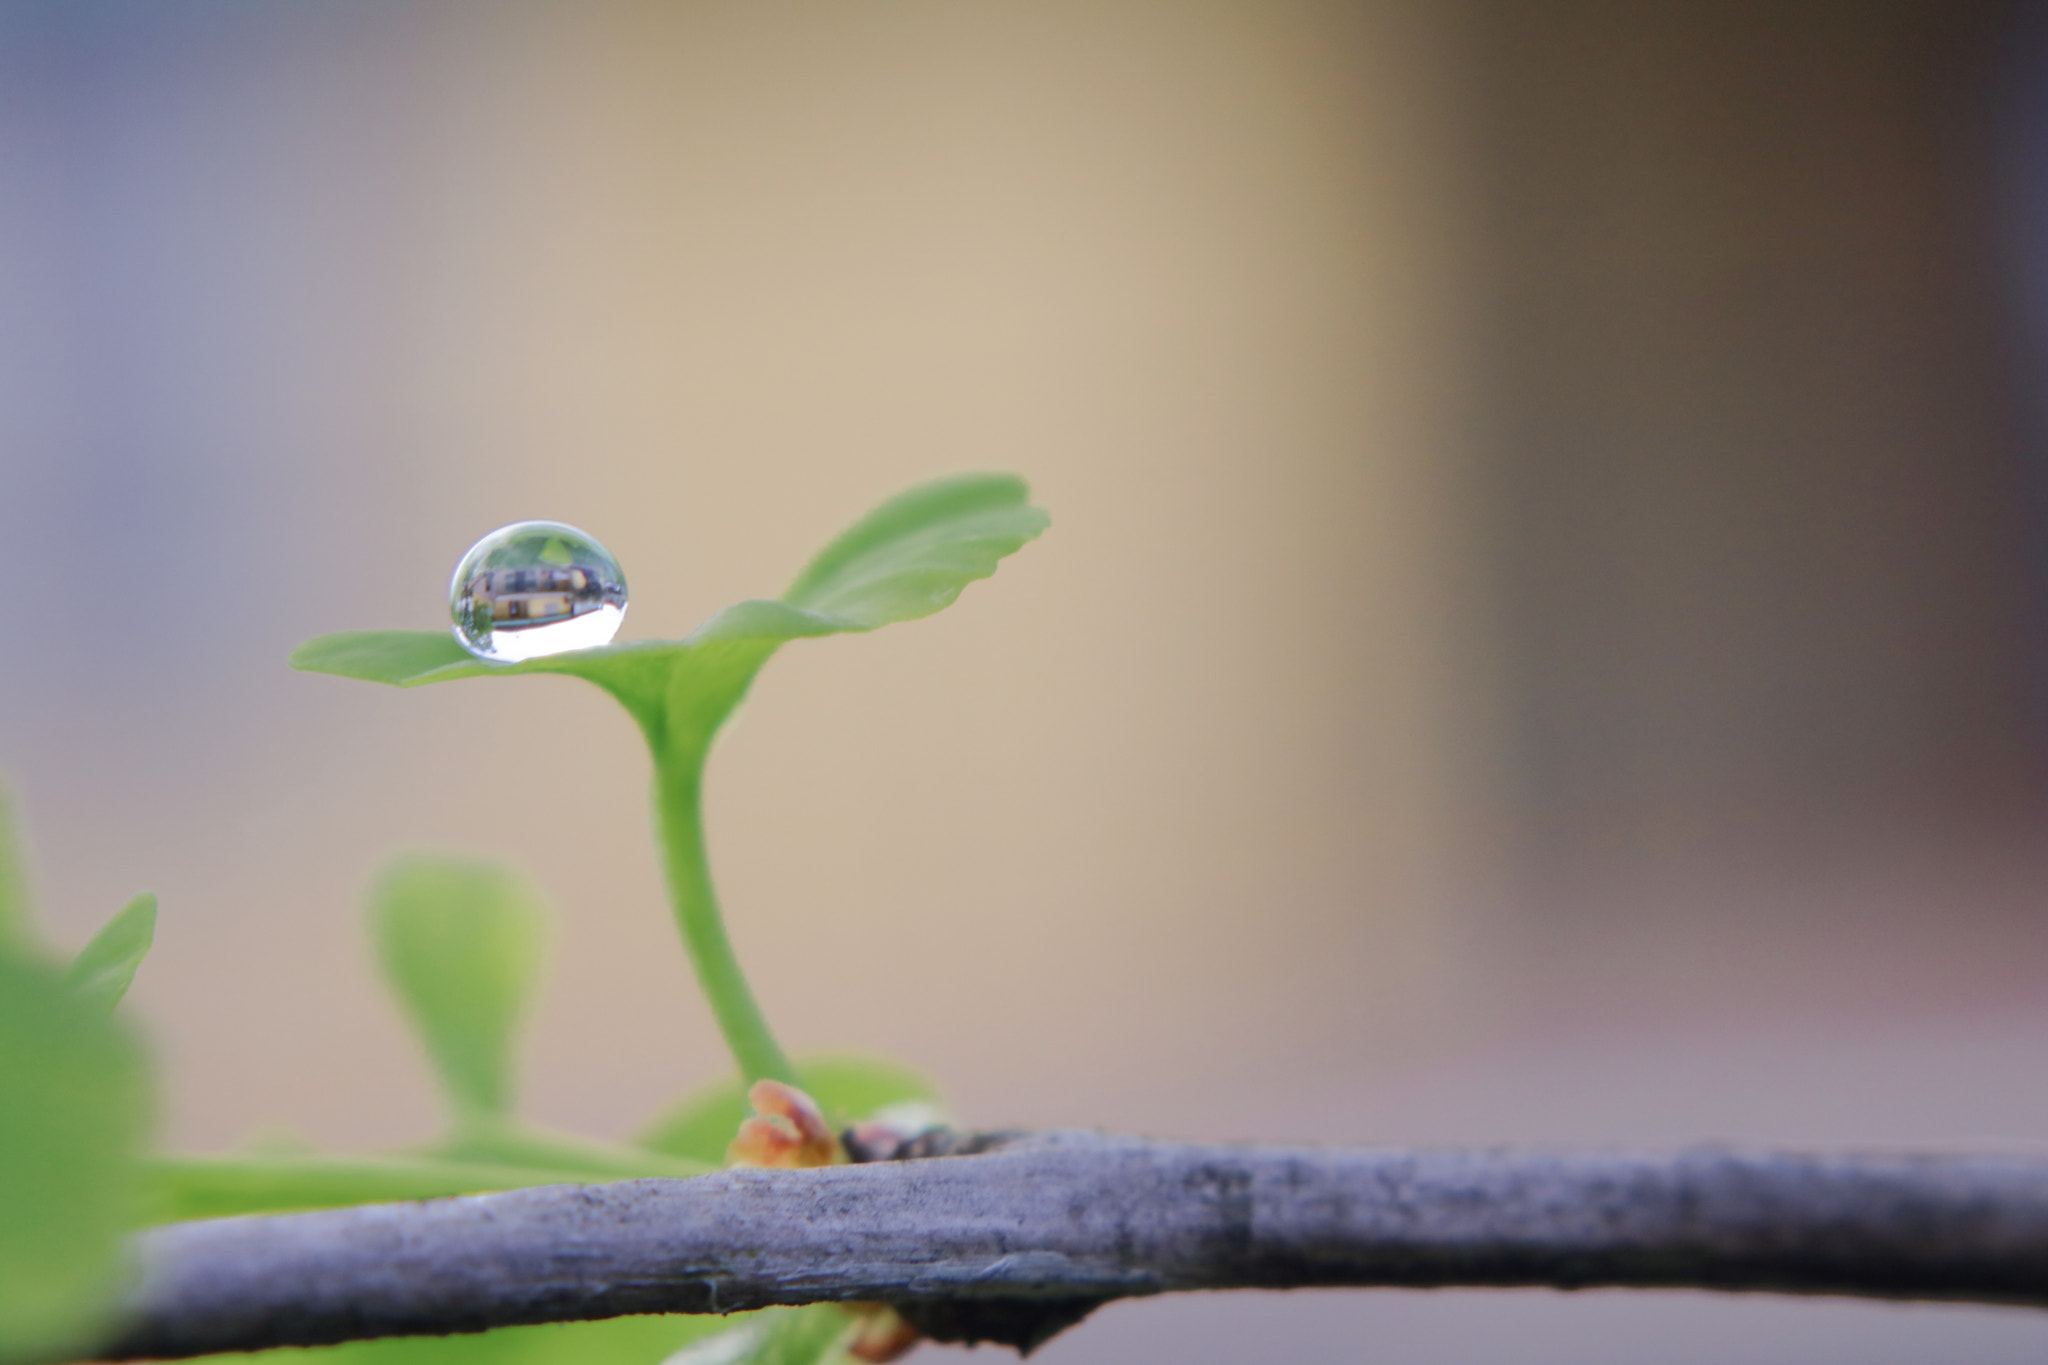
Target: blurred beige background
1539, 638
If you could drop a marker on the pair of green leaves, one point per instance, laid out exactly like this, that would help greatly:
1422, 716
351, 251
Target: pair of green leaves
75, 1103
906, 559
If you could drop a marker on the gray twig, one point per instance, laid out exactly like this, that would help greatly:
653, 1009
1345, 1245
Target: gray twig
1018, 1241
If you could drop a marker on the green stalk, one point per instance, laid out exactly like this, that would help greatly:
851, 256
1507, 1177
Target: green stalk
678, 805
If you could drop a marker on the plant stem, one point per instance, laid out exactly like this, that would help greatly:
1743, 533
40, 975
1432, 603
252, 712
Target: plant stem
678, 803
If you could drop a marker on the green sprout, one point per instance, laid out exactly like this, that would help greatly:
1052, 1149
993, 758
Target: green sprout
462, 944
906, 559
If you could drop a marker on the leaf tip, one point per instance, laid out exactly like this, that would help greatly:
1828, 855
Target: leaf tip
106, 966
397, 657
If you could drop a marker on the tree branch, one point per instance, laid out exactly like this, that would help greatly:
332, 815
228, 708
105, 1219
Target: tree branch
1016, 1242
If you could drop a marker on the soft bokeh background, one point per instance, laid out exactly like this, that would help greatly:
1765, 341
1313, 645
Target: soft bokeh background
1541, 638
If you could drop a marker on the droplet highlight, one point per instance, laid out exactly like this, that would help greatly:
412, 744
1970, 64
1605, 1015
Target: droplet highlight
536, 588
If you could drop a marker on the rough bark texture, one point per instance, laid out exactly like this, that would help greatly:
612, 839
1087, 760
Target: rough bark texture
1014, 1243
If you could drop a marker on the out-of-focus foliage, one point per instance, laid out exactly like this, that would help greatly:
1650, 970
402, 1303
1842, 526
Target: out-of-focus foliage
461, 943
75, 1101
775, 1336
184, 1187
17, 933
617, 1341
74, 1106
105, 967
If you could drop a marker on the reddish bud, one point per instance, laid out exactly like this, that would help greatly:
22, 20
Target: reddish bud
788, 1130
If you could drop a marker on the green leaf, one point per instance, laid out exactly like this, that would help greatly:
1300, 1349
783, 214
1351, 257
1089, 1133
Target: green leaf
103, 970
847, 1086
912, 555
74, 1104
17, 929
387, 656
775, 1336
802, 1336
615, 1341
520, 1144
461, 943
185, 1187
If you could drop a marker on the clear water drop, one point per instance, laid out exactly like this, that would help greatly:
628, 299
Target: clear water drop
536, 588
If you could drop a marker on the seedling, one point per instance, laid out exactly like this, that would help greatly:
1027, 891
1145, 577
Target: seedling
462, 944
908, 558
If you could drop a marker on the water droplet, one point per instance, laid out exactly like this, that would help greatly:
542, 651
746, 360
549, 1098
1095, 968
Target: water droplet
536, 588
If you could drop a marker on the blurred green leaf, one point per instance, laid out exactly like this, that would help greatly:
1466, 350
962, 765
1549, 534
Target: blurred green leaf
103, 969
462, 943
182, 1187
74, 1104
775, 1336
17, 931
847, 1086
615, 1341
801, 1336
519, 1144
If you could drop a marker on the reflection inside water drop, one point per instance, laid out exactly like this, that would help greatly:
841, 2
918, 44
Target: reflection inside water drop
536, 588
